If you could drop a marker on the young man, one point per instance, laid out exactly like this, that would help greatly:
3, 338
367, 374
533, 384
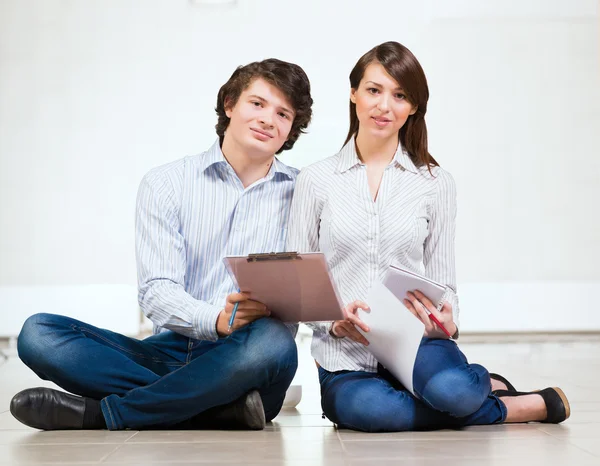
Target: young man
194, 372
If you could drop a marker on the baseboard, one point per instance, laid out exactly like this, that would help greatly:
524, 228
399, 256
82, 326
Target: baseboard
485, 308
529, 307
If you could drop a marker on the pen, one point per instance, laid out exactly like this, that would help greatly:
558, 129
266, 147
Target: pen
438, 323
231, 319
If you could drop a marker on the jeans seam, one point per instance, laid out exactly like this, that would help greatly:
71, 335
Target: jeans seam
327, 382
112, 419
503, 409
133, 353
190, 348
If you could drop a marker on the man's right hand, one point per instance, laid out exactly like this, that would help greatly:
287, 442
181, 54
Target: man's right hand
248, 311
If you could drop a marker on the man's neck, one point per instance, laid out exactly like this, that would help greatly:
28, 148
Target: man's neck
376, 151
249, 168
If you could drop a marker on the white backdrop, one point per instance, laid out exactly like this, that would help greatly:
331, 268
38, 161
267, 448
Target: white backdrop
94, 93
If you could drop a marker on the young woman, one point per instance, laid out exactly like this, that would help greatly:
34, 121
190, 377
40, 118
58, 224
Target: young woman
383, 199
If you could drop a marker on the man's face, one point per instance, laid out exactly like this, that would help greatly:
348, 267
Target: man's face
261, 120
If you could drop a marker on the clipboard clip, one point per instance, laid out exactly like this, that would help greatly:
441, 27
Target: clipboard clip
274, 256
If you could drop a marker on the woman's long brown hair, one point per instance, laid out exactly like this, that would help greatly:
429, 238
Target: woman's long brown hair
403, 66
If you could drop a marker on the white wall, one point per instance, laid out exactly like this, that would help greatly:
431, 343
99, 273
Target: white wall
93, 93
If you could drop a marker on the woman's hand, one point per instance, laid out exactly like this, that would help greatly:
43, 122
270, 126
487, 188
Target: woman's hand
347, 327
418, 303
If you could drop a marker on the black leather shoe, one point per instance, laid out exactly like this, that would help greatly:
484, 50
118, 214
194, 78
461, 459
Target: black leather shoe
48, 409
247, 412
509, 386
557, 405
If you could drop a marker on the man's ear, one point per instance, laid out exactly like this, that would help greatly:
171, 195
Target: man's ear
228, 107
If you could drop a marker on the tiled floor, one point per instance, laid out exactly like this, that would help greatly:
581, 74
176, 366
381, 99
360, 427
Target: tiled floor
300, 437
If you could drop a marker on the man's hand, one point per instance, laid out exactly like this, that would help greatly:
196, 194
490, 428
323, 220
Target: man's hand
248, 311
347, 327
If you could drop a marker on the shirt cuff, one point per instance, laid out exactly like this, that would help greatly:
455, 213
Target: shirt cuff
329, 330
451, 297
205, 322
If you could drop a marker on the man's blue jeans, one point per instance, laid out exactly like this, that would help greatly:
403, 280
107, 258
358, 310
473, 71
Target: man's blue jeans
165, 379
450, 393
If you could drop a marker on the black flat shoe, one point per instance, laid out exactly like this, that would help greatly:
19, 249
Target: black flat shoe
48, 409
499, 378
557, 405
245, 413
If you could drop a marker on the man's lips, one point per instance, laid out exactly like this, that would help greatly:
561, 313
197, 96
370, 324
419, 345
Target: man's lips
262, 133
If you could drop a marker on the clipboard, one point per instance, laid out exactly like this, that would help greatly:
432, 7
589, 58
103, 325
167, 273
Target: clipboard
400, 281
294, 287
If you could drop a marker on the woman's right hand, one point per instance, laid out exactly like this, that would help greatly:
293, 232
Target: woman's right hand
347, 327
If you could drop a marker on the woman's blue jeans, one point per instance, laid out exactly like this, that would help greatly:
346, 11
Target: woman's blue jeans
450, 393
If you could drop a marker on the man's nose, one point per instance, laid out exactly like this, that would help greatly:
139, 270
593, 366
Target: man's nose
267, 119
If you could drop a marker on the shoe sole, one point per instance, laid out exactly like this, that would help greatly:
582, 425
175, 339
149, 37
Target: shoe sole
255, 405
563, 398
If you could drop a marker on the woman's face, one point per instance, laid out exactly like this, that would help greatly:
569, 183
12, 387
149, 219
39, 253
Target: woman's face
381, 105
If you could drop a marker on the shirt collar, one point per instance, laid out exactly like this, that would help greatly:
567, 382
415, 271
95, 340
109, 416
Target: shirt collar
349, 158
214, 155
280, 167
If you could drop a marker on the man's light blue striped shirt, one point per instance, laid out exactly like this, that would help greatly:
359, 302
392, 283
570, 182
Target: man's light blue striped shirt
191, 213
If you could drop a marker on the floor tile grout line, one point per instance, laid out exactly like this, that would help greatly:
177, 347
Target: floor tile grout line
61, 444
129, 438
448, 439
436, 439
548, 433
344, 451
583, 449
108, 454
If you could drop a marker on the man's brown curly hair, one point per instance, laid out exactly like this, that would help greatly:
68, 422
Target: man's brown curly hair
289, 78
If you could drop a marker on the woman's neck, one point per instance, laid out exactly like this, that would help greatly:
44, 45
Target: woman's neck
374, 150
